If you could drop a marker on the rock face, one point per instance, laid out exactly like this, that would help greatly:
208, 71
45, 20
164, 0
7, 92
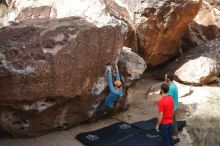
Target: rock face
47, 71
120, 10
93, 11
51, 63
131, 65
159, 26
198, 66
152, 28
215, 3
204, 27
98, 12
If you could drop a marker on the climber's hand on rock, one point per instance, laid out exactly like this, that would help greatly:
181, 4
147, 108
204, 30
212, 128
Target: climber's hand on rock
109, 68
116, 67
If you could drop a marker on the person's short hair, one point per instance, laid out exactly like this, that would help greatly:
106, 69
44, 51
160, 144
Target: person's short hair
170, 76
164, 88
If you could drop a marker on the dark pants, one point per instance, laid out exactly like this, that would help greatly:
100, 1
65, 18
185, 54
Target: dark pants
166, 131
175, 128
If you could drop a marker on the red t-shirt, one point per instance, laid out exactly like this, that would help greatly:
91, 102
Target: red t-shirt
166, 106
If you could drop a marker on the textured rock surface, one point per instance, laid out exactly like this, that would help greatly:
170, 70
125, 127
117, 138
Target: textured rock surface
57, 64
131, 65
160, 25
120, 10
47, 71
99, 12
199, 66
204, 27
215, 3
93, 11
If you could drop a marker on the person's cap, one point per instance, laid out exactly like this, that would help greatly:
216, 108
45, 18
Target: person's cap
117, 83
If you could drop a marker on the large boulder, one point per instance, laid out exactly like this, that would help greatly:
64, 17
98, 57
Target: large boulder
131, 65
52, 64
204, 27
48, 69
198, 66
159, 26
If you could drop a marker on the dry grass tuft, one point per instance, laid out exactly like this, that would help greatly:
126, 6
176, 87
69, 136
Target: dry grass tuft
204, 123
3, 10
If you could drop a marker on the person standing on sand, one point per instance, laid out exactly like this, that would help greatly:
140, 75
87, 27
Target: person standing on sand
173, 91
165, 117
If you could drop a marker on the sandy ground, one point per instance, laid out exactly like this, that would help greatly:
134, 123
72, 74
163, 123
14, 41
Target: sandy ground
142, 107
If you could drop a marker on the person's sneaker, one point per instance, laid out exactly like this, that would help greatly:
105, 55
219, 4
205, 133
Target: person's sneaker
176, 140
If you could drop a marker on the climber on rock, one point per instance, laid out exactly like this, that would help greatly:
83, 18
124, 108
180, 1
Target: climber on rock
115, 89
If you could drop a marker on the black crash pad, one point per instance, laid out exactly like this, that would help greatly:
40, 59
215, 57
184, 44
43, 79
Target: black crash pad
141, 133
151, 124
119, 134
